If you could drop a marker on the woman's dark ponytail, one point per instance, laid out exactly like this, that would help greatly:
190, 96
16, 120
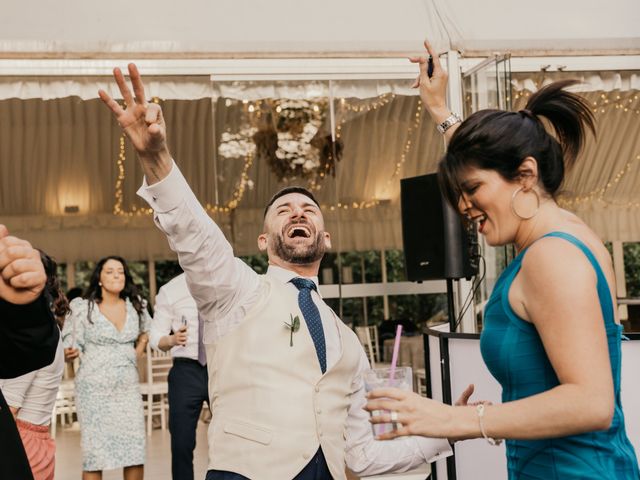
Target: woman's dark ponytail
568, 113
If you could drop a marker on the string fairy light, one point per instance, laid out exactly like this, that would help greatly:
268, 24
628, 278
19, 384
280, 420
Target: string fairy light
600, 106
417, 119
604, 103
236, 197
598, 195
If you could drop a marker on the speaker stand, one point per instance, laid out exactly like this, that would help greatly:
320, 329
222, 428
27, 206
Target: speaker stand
451, 306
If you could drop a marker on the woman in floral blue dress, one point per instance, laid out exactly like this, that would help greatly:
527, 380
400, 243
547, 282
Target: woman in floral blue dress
108, 329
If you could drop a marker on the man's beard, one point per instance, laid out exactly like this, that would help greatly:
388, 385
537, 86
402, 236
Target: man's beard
299, 255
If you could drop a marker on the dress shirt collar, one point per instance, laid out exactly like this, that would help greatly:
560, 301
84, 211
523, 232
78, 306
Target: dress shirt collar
285, 275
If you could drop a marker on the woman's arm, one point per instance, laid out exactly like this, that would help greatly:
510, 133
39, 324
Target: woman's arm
141, 344
73, 330
557, 288
433, 90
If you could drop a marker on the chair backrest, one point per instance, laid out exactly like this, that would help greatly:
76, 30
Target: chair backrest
158, 365
373, 333
367, 336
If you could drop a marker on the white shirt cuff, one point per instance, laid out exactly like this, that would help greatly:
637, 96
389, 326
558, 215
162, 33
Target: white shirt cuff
167, 194
434, 448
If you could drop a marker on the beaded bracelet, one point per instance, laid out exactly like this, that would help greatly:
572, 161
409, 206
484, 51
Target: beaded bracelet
492, 441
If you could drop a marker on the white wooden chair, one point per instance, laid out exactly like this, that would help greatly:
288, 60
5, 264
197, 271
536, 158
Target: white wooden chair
156, 389
420, 381
368, 337
65, 406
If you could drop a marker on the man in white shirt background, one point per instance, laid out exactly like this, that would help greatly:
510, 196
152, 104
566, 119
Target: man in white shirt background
176, 327
286, 395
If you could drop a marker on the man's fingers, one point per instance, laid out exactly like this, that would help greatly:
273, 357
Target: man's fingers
21, 266
138, 86
12, 248
124, 88
3, 231
154, 114
28, 280
111, 103
416, 82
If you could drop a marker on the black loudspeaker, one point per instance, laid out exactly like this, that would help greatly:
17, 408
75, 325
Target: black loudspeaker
437, 244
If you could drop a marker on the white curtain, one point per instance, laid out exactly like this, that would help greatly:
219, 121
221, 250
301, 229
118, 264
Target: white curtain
185, 87
65, 152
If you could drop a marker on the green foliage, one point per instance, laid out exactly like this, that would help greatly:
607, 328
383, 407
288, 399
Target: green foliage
61, 273
140, 274
396, 271
259, 262
166, 270
83, 274
632, 268
417, 308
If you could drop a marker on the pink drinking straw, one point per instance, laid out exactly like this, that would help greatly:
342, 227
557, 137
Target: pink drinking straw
394, 357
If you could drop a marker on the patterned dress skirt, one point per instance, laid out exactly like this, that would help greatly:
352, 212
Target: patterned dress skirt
111, 417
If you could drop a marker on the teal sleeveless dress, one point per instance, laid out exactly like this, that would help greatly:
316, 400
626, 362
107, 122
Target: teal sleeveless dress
515, 356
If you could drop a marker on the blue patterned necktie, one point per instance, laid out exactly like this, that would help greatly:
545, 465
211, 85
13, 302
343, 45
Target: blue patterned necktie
312, 317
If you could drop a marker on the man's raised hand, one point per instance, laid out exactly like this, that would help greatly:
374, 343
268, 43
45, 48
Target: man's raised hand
143, 124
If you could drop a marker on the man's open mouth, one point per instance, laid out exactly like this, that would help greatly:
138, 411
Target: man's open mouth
299, 231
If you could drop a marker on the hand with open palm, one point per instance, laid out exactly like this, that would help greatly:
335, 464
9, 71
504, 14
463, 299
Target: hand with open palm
143, 123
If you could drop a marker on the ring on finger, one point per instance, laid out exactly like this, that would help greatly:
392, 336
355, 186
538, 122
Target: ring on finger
394, 420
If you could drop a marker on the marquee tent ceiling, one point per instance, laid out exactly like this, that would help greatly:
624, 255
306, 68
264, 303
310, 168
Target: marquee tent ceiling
245, 28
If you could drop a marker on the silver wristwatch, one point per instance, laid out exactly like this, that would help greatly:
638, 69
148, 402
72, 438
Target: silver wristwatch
449, 122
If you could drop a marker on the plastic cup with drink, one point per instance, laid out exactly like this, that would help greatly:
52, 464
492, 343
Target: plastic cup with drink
396, 377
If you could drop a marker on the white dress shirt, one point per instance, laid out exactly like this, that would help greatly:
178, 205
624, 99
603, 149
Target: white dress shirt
175, 305
225, 287
34, 393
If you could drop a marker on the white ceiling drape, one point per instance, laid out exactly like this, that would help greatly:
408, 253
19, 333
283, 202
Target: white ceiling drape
65, 152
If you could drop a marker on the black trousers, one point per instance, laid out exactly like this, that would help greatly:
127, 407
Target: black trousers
13, 459
316, 469
188, 388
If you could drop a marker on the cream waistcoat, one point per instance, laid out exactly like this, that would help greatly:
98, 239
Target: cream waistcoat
272, 407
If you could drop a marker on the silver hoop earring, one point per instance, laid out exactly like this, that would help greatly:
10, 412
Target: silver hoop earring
513, 207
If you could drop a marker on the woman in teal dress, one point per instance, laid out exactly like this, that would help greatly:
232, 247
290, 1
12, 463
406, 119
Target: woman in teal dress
108, 328
551, 336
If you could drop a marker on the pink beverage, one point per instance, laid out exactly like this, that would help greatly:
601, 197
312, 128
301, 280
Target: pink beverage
375, 378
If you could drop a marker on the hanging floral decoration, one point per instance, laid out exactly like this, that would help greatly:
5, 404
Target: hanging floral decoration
289, 136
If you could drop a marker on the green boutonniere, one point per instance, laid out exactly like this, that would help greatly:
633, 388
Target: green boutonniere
293, 327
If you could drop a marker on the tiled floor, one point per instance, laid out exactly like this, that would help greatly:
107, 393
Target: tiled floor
158, 465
